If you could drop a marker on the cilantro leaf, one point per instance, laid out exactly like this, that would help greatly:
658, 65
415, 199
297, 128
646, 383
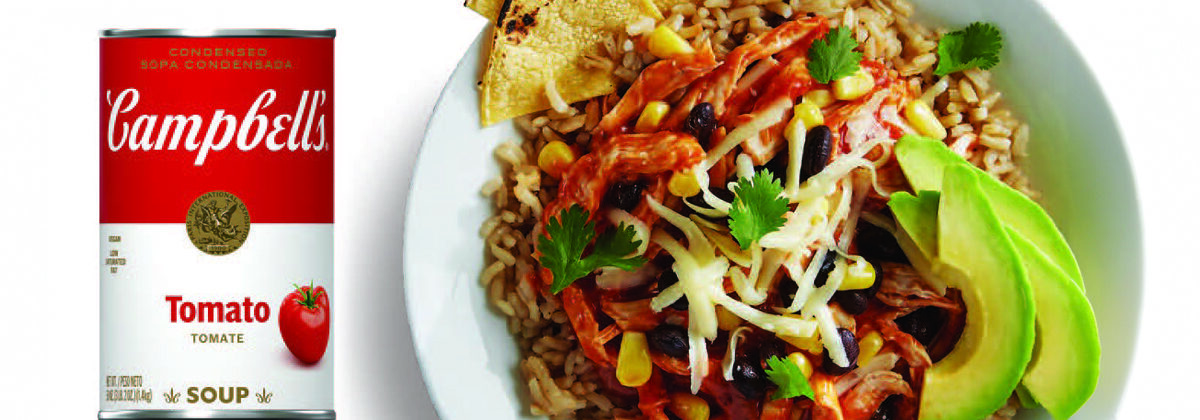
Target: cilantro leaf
977, 45
757, 208
612, 247
833, 57
569, 234
788, 377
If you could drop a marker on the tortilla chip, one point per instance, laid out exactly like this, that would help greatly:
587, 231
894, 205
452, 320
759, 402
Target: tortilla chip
486, 8
537, 40
491, 8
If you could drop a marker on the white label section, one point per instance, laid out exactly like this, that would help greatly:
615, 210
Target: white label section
149, 362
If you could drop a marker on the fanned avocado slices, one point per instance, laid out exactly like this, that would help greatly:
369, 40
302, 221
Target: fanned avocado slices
982, 228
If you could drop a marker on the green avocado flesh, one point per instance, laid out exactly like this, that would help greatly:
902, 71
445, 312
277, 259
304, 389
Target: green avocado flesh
1066, 361
917, 216
976, 257
970, 237
924, 160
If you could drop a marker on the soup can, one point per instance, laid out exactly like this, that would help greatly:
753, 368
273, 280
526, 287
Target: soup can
216, 224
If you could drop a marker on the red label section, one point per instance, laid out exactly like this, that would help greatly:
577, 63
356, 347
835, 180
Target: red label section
181, 117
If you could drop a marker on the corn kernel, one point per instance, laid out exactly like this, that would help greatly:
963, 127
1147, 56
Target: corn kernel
811, 344
922, 118
688, 407
869, 346
652, 9
727, 320
860, 274
666, 43
633, 360
652, 114
853, 86
555, 157
683, 184
820, 97
808, 113
801, 362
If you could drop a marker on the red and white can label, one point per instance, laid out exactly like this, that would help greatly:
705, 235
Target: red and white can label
216, 223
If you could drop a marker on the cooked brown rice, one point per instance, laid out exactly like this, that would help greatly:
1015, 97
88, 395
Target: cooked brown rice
562, 382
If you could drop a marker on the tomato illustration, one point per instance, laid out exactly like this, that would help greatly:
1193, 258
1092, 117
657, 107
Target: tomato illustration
304, 322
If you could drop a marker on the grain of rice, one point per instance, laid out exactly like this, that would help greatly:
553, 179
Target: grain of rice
640, 26
995, 142
951, 120
967, 91
960, 129
758, 26
745, 12
625, 74
954, 95
962, 146
690, 31
932, 92
675, 21
779, 8
978, 115
996, 130
990, 100
923, 62
686, 9
1021, 141
717, 3
722, 17
953, 107
978, 77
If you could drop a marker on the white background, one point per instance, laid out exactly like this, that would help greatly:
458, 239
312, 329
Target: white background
392, 59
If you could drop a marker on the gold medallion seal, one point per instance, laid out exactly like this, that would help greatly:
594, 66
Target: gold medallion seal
218, 223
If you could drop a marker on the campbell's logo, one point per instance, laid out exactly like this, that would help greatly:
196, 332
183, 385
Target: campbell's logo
300, 131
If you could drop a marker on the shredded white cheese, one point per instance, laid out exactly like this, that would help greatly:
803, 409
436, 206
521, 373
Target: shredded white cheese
731, 354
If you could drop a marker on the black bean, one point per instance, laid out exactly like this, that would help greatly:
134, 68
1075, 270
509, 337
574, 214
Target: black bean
700, 122
923, 324
671, 340
876, 244
749, 378
854, 302
850, 343
888, 409
818, 145
777, 165
625, 195
827, 266
771, 348
774, 20
787, 290
663, 260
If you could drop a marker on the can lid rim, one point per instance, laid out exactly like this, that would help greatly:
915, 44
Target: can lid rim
217, 33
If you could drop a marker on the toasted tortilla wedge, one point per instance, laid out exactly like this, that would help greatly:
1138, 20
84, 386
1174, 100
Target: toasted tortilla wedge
535, 41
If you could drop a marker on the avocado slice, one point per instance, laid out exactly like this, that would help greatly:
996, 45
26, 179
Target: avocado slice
923, 161
1066, 361
916, 233
977, 257
917, 216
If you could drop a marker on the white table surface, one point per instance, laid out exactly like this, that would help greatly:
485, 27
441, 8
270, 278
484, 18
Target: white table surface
392, 59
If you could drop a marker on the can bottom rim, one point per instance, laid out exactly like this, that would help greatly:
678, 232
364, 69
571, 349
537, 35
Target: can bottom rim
218, 414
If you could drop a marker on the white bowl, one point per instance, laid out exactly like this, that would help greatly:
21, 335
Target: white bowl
469, 360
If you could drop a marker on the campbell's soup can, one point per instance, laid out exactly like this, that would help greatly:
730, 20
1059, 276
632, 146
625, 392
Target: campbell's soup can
216, 224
